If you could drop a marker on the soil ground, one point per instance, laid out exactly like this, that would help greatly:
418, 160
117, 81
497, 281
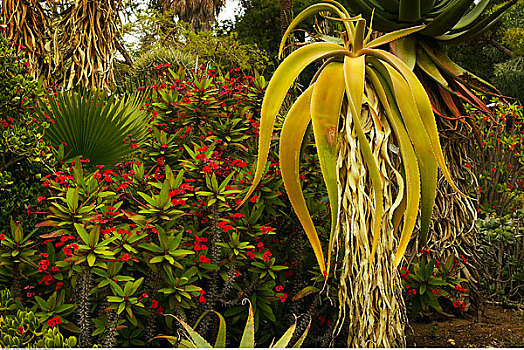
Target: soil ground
497, 327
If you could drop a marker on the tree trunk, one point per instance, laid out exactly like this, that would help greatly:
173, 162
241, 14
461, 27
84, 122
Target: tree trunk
286, 16
370, 296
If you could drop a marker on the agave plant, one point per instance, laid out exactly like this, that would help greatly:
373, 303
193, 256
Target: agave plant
195, 340
361, 98
100, 128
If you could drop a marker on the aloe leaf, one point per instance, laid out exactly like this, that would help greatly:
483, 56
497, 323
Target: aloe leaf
300, 341
419, 137
426, 6
194, 336
424, 106
427, 65
410, 201
447, 19
405, 49
220, 342
472, 15
354, 76
310, 11
286, 338
479, 28
276, 91
248, 337
389, 37
380, 21
409, 11
291, 137
326, 104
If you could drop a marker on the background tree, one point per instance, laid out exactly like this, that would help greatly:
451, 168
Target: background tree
200, 14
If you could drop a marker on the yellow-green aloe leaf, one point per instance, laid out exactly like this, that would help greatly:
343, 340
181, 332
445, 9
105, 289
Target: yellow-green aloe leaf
300, 341
291, 137
423, 149
286, 338
309, 11
220, 341
424, 106
472, 15
248, 337
392, 36
354, 77
427, 65
194, 336
276, 92
326, 104
410, 201
405, 49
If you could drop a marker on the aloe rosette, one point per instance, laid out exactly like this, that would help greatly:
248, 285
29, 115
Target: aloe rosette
337, 92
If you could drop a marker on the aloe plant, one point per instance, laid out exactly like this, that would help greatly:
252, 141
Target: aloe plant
361, 98
101, 128
195, 340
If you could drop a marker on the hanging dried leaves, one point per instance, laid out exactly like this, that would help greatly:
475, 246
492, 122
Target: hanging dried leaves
27, 24
85, 42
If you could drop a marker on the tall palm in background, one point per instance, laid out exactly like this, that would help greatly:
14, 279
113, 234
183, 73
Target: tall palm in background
200, 14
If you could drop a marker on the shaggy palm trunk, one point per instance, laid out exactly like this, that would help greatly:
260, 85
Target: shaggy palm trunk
369, 295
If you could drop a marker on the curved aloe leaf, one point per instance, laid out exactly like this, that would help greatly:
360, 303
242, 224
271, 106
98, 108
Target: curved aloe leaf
291, 137
448, 18
196, 338
326, 104
389, 37
220, 342
405, 49
309, 11
380, 21
472, 15
248, 337
354, 76
424, 107
417, 133
427, 65
300, 341
276, 91
286, 338
410, 201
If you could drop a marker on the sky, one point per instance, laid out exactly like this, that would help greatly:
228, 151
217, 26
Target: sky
228, 12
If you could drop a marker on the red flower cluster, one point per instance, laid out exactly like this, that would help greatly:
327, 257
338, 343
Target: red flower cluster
225, 226
54, 321
266, 229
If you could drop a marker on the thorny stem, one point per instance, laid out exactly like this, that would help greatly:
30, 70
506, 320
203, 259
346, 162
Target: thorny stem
83, 286
110, 338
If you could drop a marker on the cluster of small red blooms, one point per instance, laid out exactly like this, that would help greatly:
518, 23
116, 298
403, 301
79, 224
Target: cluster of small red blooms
125, 257
47, 279
238, 163
29, 294
225, 226
412, 292
5, 123
404, 272
266, 229
68, 250
267, 255
160, 66
62, 241
322, 320
424, 251
142, 296
2, 236
237, 216
437, 263
460, 289
204, 259
198, 243
283, 297
43, 264
458, 304
20, 329
202, 298
435, 291
254, 198
154, 305
250, 254
54, 321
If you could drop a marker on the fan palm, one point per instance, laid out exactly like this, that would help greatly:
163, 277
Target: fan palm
200, 14
102, 129
359, 102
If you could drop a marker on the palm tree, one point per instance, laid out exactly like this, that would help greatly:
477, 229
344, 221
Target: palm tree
200, 14
370, 117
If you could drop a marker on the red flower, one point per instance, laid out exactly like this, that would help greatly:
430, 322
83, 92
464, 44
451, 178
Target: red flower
254, 198
435, 291
412, 292
160, 310
202, 299
283, 297
457, 303
2, 236
20, 329
279, 288
39, 199
125, 257
145, 295
154, 304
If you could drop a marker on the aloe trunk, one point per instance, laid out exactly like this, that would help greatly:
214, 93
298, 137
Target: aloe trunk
369, 295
